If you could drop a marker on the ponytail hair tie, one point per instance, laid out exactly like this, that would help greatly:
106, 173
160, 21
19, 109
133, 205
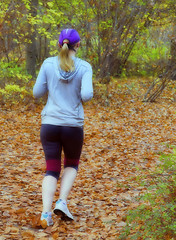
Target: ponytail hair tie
66, 41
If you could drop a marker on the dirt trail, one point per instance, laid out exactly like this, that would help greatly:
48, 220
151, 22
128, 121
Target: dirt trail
122, 141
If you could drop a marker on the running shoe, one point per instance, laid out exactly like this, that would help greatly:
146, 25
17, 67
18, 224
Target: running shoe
62, 210
46, 220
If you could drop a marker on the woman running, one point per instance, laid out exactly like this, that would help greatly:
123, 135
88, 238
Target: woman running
68, 81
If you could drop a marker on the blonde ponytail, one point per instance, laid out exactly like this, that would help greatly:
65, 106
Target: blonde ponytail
66, 62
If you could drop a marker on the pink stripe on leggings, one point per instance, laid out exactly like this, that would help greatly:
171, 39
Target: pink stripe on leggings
53, 165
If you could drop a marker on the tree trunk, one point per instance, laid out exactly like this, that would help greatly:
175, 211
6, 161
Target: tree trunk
159, 84
31, 49
87, 30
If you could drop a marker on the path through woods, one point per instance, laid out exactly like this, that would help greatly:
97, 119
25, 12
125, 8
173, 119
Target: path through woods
122, 141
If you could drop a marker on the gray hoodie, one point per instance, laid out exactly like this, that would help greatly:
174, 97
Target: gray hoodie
66, 91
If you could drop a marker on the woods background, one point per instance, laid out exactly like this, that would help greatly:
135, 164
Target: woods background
120, 38
126, 186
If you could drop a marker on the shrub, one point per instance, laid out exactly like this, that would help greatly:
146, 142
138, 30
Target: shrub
154, 219
13, 92
15, 83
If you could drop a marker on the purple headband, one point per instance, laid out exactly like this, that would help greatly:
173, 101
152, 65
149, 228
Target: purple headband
70, 34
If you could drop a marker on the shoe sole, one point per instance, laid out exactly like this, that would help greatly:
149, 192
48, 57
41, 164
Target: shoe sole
63, 216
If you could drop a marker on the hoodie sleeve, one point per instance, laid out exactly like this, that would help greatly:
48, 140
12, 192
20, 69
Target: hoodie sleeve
86, 86
40, 87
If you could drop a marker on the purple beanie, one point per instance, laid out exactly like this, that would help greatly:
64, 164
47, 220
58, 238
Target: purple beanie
69, 34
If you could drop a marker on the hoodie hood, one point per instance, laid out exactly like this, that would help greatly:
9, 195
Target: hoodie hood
66, 76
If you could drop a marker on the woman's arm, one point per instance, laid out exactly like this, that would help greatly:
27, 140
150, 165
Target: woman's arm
86, 86
40, 87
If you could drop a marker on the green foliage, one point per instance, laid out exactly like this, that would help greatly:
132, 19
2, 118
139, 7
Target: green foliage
13, 92
15, 82
12, 72
155, 218
150, 54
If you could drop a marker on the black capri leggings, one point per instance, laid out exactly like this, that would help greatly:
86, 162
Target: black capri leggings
54, 139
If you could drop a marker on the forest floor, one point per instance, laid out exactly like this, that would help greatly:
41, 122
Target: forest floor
124, 139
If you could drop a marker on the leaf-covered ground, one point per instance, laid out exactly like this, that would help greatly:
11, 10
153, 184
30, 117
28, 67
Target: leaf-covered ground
123, 140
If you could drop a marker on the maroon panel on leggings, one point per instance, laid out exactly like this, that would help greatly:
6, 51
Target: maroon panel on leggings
57, 138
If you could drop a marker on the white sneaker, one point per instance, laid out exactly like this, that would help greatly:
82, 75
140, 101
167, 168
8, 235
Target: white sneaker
62, 209
46, 220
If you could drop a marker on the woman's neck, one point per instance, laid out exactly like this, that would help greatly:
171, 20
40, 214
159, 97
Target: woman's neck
72, 53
